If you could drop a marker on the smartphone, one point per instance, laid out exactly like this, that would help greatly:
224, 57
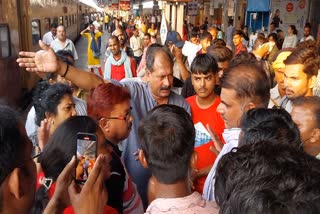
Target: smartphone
86, 153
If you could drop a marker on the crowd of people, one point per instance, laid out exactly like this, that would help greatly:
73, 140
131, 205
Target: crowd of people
201, 124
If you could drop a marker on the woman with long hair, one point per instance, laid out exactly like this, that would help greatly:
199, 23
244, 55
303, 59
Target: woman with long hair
291, 40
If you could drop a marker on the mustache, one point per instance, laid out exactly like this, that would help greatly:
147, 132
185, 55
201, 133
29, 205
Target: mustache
165, 88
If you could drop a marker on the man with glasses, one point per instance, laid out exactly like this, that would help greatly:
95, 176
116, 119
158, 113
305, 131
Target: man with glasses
109, 105
144, 97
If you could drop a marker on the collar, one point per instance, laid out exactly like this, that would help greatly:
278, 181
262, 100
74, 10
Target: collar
167, 205
114, 147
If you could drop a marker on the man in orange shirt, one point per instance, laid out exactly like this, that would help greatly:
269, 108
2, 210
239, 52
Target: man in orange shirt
204, 70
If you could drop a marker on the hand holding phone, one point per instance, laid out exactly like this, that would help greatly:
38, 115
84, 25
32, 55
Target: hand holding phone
93, 196
86, 154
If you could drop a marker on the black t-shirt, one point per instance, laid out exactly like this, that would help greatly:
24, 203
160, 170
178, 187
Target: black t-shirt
115, 184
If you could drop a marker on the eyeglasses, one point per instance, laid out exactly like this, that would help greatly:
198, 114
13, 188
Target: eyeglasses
126, 117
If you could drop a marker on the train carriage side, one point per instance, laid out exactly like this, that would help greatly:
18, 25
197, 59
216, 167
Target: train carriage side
22, 24
11, 77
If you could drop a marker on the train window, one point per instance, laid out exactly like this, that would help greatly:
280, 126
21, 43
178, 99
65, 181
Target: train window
47, 22
66, 21
4, 42
61, 20
35, 26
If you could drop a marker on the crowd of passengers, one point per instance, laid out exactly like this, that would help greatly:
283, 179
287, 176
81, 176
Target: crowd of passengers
202, 126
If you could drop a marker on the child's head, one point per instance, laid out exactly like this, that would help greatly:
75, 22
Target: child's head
204, 64
167, 140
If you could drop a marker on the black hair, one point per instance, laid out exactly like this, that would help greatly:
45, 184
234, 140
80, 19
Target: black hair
249, 82
243, 58
219, 42
274, 36
194, 33
204, 64
307, 25
53, 25
152, 51
238, 32
309, 102
167, 138
41, 87
12, 143
307, 57
59, 151
268, 178
205, 35
275, 125
113, 37
294, 29
64, 56
220, 53
148, 35
11, 139
249, 58
49, 100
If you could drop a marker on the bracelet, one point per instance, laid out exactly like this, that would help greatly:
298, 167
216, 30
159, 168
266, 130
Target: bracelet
67, 69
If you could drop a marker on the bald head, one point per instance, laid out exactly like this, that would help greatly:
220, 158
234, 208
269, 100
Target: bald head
61, 33
160, 52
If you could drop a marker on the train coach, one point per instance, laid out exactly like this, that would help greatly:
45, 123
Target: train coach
22, 24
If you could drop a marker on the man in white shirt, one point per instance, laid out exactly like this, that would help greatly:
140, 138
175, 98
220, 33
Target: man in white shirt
243, 87
136, 45
97, 24
51, 35
306, 34
63, 43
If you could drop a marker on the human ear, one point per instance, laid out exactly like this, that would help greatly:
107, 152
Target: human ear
148, 74
104, 124
249, 106
194, 160
15, 183
315, 136
312, 81
49, 117
142, 159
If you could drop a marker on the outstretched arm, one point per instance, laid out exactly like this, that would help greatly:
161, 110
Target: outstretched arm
45, 60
